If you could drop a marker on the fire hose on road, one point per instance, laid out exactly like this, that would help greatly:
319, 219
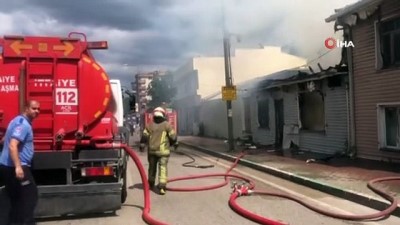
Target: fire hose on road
243, 190
192, 160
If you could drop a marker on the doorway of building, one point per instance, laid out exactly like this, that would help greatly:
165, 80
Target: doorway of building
279, 122
247, 116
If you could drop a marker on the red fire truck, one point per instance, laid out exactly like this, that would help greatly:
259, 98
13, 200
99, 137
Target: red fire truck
81, 114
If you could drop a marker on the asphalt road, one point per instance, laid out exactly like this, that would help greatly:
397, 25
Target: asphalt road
211, 207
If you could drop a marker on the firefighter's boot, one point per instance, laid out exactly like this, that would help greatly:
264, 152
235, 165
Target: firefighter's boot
162, 191
151, 184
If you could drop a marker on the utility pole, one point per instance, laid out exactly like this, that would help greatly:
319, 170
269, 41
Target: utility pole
228, 84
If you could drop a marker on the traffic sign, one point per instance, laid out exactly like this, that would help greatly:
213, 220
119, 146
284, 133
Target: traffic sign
228, 93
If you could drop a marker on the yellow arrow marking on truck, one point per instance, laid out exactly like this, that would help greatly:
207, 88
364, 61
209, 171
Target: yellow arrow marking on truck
97, 67
17, 46
67, 48
87, 60
104, 76
105, 102
97, 114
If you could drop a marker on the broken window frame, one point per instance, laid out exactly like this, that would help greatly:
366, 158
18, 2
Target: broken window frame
388, 50
247, 103
263, 112
305, 126
383, 126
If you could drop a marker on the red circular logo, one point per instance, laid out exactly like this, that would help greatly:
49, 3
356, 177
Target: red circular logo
330, 43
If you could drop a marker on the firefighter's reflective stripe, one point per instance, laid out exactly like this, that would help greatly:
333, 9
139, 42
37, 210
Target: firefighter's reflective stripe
163, 173
146, 132
172, 133
159, 138
164, 149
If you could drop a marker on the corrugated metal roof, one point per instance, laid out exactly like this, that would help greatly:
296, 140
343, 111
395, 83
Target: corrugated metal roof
280, 75
301, 76
354, 8
253, 84
284, 77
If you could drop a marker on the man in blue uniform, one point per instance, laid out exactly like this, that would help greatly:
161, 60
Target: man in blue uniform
15, 162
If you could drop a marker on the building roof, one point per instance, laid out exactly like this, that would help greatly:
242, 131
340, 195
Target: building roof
363, 8
266, 81
302, 76
284, 77
254, 83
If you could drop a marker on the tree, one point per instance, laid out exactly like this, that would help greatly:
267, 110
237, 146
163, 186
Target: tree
129, 101
161, 91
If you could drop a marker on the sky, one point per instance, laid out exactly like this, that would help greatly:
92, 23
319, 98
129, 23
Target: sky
148, 35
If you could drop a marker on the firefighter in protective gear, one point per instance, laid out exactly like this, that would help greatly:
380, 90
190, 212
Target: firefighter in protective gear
159, 136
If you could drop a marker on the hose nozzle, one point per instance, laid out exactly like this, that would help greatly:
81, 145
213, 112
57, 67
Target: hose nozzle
79, 134
241, 189
59, 137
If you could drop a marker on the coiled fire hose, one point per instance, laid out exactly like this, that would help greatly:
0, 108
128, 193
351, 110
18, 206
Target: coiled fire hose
146, 210
210, 187
243, 190
193, 160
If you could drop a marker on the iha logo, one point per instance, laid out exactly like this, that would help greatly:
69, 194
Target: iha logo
332, 43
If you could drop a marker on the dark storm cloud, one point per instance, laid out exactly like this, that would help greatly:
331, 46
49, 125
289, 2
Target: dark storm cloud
115, 16
155, 34
126, 15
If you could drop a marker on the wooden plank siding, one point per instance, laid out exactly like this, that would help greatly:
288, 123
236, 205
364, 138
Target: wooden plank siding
372, 86
291, 106
263, 136
334, 139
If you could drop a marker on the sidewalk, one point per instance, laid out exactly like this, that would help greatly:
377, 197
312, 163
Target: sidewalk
341, 177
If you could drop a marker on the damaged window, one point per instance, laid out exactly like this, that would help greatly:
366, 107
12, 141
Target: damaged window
390, 42
247, 115
312, 111
391, 126
263, 112
389, 117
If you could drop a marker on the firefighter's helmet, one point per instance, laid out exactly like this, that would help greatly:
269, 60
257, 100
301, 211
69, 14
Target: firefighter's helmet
159, 112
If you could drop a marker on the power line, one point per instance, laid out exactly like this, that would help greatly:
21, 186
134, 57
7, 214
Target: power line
315, 59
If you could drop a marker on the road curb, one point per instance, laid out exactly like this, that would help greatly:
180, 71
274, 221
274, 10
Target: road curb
356, 197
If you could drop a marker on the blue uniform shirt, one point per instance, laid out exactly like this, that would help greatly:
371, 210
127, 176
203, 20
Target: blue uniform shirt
20, 129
